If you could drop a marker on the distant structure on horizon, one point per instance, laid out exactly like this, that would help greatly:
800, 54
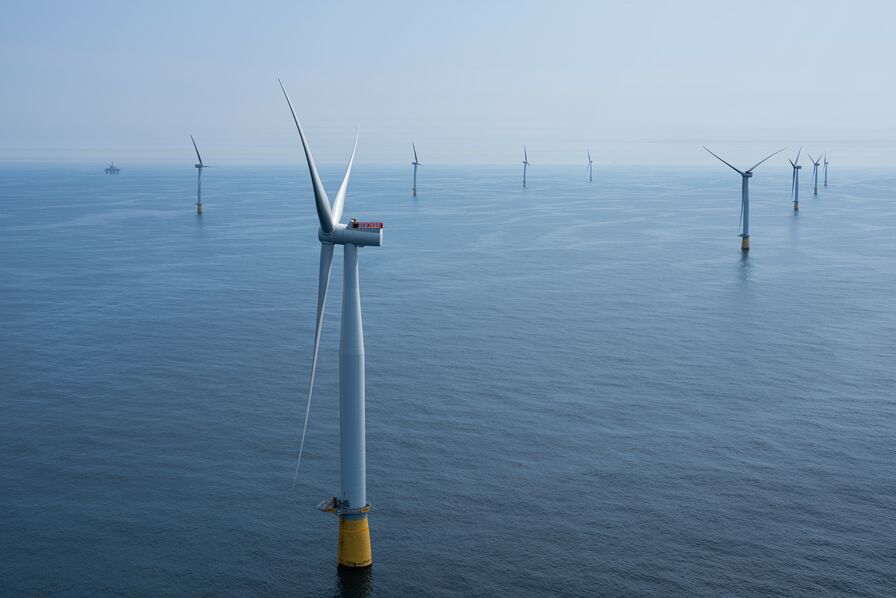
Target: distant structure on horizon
590, 163
112, 168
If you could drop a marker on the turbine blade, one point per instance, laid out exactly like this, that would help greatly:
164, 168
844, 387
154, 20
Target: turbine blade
791, 162
814, 161
766, 158
792, 183
326, 261
798, 155
723, 162
589, 155
197, 150
321, 201
525, 155
415, 151
339, 202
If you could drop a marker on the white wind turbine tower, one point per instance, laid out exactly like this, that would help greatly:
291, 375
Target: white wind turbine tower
795, 182
199, 168
351, 506
525, 164
745, 196
826, 169
416, 163
590, 162
815, 164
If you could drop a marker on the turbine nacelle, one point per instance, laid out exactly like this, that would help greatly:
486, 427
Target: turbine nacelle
359, 234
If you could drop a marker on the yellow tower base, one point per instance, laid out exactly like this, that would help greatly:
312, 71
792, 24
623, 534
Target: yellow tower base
354, 543
745, 244
796, 206
199, 209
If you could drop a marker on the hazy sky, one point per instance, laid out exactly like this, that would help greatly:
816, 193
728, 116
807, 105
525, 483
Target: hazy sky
470, 82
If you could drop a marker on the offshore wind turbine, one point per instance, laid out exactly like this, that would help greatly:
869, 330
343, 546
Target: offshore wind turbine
416, 163
590, 162
826, 169
351, 506
525, 164
815, 164
745, 196
199, 168
795, 182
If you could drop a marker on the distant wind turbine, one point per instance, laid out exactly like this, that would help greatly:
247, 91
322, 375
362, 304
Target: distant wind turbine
199, 168
745, 196
795, 182
351, 506
416, 163
826, 169
590, 162
525, 164
815, 164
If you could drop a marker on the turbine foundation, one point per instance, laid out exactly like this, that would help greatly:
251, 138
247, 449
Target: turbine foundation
745, 244
796, 206
199, 209
354, 542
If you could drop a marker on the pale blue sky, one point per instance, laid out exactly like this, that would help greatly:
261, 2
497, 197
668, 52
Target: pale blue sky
470, 82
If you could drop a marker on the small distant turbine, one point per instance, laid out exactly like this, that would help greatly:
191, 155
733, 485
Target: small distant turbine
826, 169
815, 164
199, 168
745, 196
590, 162
795, 182
416, 163
525, 165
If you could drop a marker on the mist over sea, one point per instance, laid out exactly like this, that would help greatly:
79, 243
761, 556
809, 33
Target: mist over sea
573, 389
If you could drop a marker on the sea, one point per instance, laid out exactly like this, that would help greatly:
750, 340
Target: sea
573, 389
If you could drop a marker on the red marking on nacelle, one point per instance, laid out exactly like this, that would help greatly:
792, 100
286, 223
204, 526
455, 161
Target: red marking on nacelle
366, 225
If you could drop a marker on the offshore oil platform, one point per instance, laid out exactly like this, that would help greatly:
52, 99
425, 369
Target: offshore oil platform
112, 168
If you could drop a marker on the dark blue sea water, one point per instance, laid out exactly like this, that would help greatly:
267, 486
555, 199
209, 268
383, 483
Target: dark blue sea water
573, 390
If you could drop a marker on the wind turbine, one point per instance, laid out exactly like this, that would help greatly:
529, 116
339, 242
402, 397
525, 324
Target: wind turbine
745, 196
795, 183
590, 162
826, 169
815, 164
525, 164
416, 163
199, 168
351, 506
